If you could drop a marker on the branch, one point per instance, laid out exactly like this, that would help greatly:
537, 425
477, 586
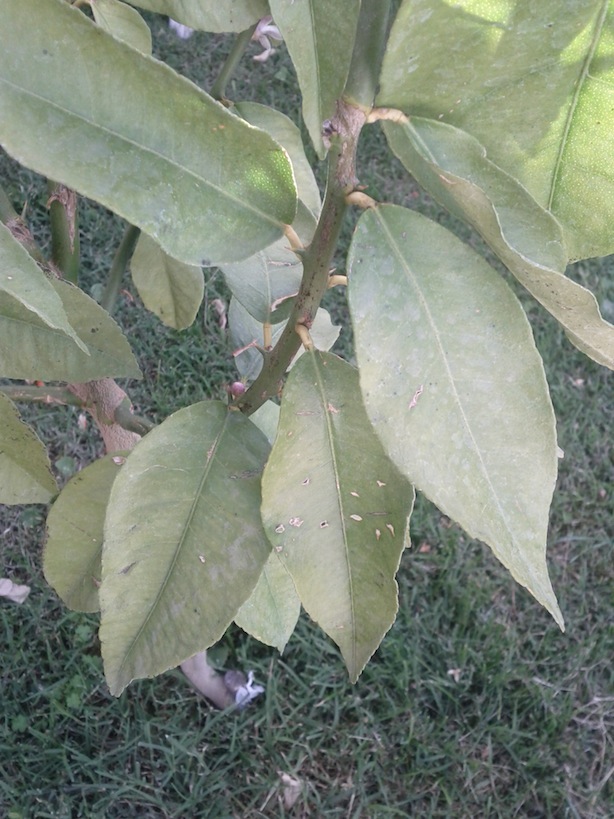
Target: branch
63, 218
317, 257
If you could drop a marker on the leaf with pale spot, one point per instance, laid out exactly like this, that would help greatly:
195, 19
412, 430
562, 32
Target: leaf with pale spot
335, 508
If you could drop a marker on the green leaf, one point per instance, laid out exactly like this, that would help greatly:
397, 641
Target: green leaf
533, 82
184, 545
284, 131
454, 386
169, 288
23, 280
123, 22
335, 508
29, 348
210, 15
266, 419
320, 38
247, 335
25, 474
271, 612
454, 168
73, 551
127, 131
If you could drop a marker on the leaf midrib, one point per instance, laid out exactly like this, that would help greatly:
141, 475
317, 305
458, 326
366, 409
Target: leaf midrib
238, 201
212, 450
584, 74
331, 442
405, 266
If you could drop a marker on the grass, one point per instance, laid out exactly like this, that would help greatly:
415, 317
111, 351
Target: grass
475, 705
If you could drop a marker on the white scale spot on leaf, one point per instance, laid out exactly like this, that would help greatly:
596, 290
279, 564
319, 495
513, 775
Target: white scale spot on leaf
390, 528
355, 494
201, 558
356, 517
280, 528
323, 524
306, 482
378, 534
118, 460
279, 549
332, 409
296, 522
380, 483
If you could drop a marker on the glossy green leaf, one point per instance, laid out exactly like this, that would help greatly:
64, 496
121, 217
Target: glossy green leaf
29, 348
320, 38
25, 474
335, 508
127, 131
209, 15
454, 386
123, 22
534, 83
454, 168
169, 288
247, 335
271, 612
284, 131
23, 280
184, 544
72, 560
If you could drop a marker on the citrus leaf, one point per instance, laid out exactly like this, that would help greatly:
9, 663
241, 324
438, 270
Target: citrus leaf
29, 348
284, 131
25, 474
169, 288
73, 551
247, 335
23, 280
266, 419
335, 508
455, 170
137, 137
272, 610
123, 22
533, 83
454, 386
219, 16
184, 544
320, 38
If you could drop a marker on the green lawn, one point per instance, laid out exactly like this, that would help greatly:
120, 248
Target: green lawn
474, 706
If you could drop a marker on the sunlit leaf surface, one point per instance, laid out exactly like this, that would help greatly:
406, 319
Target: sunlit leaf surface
533, 82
